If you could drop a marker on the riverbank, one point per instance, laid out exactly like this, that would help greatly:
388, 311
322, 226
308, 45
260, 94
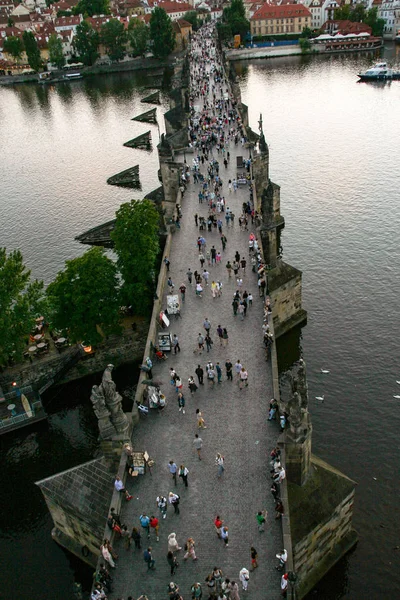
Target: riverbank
136, 64
280, 51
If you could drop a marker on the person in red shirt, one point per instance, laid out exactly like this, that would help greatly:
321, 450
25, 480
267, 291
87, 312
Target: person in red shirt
218, 524
154, 525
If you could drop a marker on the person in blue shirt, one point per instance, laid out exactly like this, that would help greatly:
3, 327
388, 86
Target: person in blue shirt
145, 523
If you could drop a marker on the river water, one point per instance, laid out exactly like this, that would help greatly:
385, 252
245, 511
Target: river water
334, 152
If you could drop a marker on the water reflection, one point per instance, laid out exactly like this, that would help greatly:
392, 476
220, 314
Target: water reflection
69, 438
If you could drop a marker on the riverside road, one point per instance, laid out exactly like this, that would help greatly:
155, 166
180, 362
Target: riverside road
237, 425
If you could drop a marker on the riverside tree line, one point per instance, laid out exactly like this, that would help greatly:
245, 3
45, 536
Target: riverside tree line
158, 37
86, 296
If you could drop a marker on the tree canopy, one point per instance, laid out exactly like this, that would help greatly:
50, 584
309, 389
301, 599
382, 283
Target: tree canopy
84, 296
161, 33
235, 16
86, 43
21, 300
56, 54
14, 46
358, 13
114, 38
138, 36
92, 7
135, 236
192, 17
32, 50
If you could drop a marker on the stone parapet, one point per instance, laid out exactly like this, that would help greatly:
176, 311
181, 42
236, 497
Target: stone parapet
321, 522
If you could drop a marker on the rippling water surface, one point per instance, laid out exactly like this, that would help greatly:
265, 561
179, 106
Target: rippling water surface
334, 150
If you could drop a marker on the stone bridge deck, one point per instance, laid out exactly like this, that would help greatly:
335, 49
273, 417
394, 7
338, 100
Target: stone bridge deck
237, 427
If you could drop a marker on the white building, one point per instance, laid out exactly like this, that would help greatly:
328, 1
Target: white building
388, 11
321, 11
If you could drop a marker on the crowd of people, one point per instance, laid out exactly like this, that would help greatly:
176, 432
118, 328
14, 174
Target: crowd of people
214, 125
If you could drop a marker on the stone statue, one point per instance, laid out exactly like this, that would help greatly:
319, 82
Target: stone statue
107, 407
262, 143
302, 383
108, 385
106, 428
295, 412
113, 401
98, 401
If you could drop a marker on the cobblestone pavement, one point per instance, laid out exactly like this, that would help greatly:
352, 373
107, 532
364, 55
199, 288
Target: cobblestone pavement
236, 421
237, 427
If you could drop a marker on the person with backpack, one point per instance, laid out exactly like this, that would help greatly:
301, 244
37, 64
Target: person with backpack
162, 505
174, 500
196, 590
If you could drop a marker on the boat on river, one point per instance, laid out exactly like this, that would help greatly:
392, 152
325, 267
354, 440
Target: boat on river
380, 71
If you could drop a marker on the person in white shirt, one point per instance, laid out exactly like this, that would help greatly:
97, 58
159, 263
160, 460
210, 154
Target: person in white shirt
219, 460
119, 486
244, 577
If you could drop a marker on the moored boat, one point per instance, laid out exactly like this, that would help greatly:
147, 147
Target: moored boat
378, 72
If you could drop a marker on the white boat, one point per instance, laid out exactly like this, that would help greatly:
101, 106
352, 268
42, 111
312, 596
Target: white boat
378, 72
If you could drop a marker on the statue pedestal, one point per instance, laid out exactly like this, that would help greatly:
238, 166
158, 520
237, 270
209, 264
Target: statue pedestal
112, 448
298, 453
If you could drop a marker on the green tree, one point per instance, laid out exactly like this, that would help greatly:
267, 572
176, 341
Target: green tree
138, 36
84, 297
114, 38
306, 33
32, 50
92, 7
21, 300
191, 17
14, 46
10, 22
235, 16
343, 13
86, 43
371, 19
161, 33
305, 44
358, 13
56, 54
224, 31
135, 236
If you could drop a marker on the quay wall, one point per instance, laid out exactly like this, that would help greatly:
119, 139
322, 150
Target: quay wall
136, 64
295, 50
116, 350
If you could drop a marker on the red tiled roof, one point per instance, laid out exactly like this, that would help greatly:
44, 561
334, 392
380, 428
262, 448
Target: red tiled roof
63, 21
344, 27
45, 28
12, 31
173, 7
266, 11
183, 23
97, 22
21, 18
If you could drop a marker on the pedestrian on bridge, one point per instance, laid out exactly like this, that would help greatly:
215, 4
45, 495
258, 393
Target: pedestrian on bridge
200, 374
198, 445
173, 470
148, 558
